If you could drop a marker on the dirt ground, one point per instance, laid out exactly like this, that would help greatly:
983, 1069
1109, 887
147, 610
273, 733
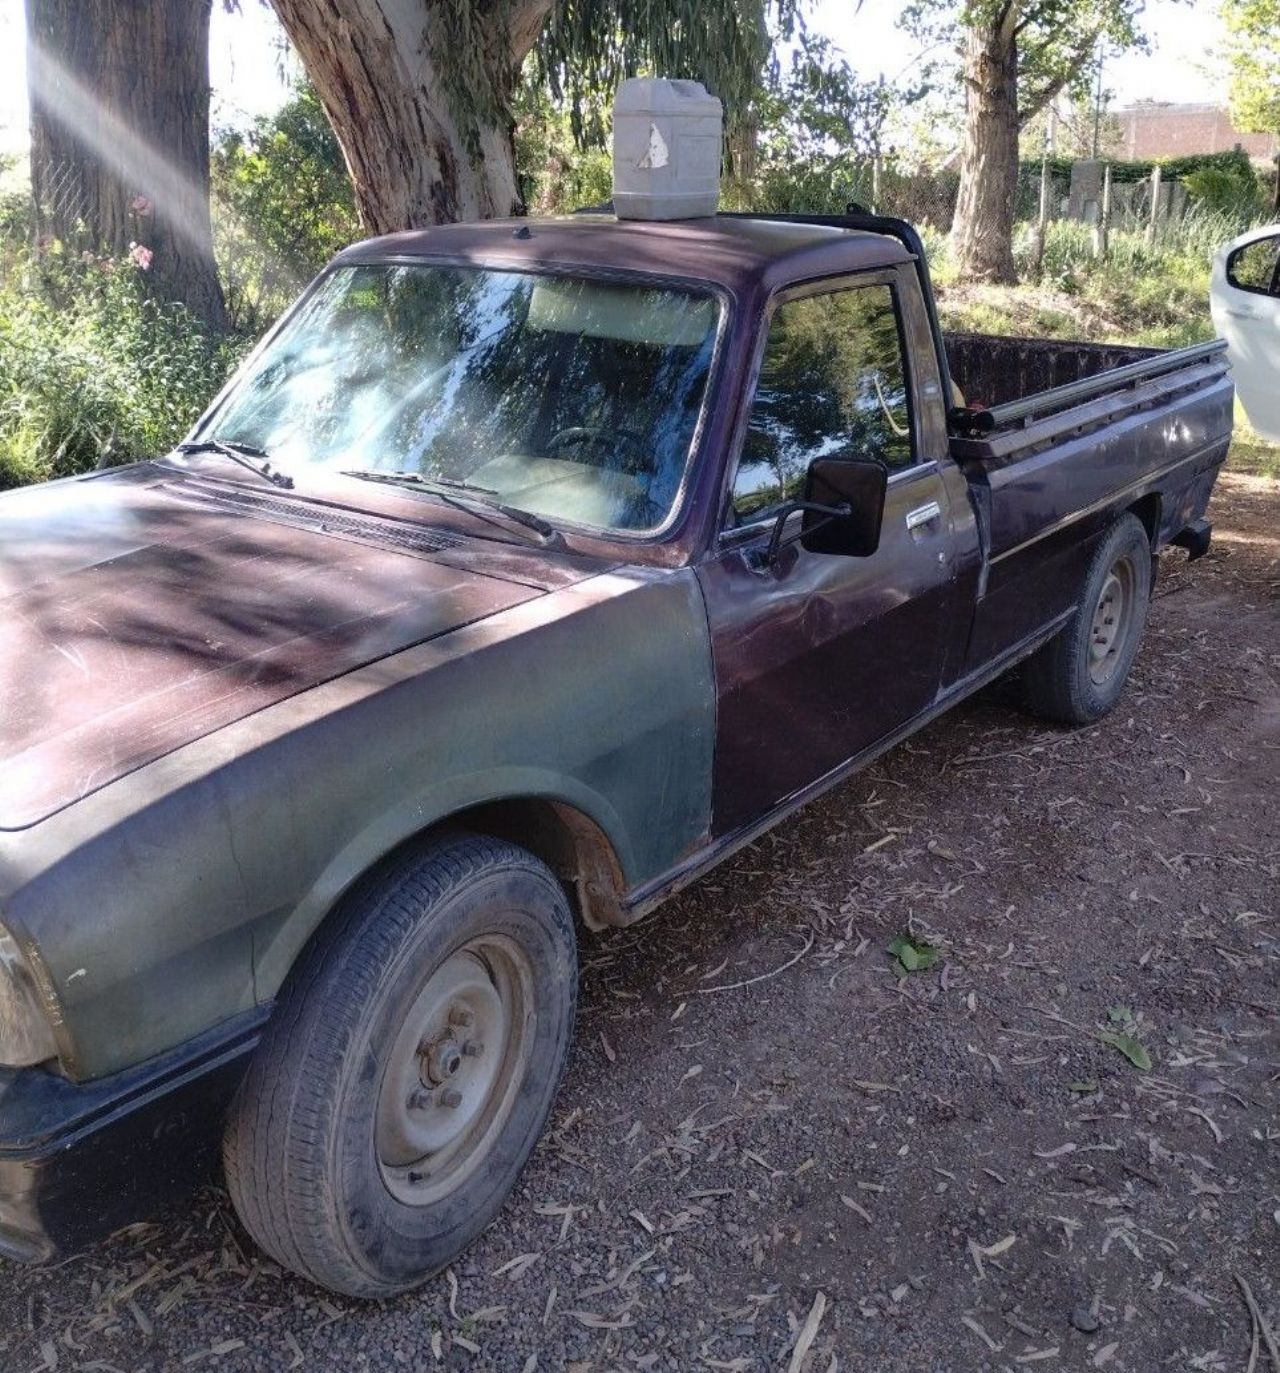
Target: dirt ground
772, 1151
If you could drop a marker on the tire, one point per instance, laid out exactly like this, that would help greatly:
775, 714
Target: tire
1079, 674
408, 1069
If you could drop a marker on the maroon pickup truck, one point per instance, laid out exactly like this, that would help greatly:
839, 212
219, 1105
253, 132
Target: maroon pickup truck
522, 574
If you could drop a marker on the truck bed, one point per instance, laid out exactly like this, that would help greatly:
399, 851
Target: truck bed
1019, 395
1055, 438
995, 369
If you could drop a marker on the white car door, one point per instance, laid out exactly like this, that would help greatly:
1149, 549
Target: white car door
1244, 297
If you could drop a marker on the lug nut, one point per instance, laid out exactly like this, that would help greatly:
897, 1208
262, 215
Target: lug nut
461, 1017
450, 1097
472, 1049
419, 1101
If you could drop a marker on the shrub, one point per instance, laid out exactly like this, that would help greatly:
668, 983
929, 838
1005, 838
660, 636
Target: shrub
282, 207
92, 371
1230, 192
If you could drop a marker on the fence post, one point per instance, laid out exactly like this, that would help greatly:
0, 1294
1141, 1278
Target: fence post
1102, 229
1154, 223
1042, 222
877, 167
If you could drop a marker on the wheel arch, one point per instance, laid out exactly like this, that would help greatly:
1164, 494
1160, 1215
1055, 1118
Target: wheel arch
584, 850
1148, 510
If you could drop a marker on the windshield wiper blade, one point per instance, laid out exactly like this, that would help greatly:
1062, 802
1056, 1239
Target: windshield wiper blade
473, 499
255, 459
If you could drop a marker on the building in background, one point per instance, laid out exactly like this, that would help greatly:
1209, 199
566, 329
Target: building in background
1150, 130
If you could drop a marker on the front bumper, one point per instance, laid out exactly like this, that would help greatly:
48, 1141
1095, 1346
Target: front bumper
80, 1160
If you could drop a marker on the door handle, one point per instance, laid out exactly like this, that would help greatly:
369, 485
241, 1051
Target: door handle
923, 514
1243, 314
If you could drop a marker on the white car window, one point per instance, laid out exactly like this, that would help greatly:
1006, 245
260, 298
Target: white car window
1253, 266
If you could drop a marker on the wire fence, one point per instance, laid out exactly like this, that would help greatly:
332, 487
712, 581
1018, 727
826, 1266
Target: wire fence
60, 197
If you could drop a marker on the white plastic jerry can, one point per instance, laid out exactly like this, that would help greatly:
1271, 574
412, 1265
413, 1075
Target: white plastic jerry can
667, 138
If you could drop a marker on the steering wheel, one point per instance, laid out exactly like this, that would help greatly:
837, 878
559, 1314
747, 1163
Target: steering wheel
603, 441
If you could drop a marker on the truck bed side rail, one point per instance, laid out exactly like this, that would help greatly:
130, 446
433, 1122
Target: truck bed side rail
1091, 404
968, 423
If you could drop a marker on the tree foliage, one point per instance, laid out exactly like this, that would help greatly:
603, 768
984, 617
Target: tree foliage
1253, 50
557, 172
589, 46
1057, 41
283, 205
817, 128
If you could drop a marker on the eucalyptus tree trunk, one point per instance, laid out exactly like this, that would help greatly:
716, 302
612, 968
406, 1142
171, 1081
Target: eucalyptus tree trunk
119, 104
422, 114
982, 232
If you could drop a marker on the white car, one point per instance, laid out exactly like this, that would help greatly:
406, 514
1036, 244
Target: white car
1244, 296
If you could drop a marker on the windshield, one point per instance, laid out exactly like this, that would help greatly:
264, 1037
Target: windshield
572, 398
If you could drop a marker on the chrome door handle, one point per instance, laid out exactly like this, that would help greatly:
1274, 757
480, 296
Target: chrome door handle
923, 514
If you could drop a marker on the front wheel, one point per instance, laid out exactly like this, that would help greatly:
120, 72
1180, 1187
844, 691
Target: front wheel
409, 1068
1079, 674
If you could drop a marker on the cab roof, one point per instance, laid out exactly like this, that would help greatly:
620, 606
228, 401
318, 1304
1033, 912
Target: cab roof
735, 253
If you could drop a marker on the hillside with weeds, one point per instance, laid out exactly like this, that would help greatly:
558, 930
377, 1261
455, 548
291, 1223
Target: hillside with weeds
1152, 293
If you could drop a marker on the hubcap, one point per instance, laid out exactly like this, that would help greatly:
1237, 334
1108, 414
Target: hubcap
1110, 629
454, 1069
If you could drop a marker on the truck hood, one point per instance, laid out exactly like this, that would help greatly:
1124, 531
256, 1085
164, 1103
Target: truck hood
139, 612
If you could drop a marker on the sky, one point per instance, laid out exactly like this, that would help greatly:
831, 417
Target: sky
1181, 35
251, 73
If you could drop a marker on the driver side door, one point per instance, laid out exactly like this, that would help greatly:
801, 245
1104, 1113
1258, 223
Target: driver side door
819, 656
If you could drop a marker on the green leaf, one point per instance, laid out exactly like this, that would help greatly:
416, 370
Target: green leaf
911, 955
1084, 1086
1134, 1051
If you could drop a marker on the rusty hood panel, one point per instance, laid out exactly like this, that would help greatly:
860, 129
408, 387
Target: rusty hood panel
134, 619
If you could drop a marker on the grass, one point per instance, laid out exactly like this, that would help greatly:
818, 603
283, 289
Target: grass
1252, 455
1153, 294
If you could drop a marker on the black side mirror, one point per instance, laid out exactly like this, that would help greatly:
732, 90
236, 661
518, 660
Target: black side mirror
858, 483
842, 509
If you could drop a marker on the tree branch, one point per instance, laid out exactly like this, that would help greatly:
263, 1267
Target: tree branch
1028, 110
1006, 24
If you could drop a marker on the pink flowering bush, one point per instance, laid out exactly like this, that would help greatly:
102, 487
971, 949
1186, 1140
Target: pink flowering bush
141, 256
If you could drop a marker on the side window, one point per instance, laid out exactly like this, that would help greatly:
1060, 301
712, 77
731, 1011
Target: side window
832, 384
1253, 267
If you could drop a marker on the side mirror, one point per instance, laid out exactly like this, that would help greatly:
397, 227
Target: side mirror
855, 483
842, 510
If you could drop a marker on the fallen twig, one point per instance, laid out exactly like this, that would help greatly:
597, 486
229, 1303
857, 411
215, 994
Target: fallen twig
1260, 1327
763, 977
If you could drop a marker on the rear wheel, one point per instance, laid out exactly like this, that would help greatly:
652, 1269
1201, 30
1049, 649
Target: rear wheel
409, 1068
1079, 674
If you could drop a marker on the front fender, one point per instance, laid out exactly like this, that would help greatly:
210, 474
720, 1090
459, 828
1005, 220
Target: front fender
180, 895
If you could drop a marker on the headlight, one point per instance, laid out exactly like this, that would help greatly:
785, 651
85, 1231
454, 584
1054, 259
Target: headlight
26, 1037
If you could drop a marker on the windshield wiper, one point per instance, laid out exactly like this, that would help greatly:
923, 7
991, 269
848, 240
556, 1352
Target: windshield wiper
255, 459
473, 499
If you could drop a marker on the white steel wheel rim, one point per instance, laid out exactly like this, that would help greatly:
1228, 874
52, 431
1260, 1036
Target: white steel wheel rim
453, 1073
1109, 630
